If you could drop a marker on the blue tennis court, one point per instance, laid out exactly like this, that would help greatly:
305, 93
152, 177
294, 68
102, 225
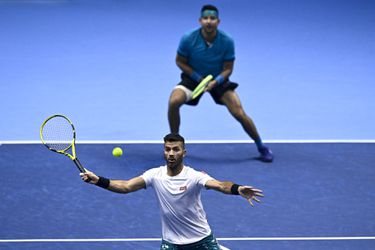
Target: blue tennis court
312, 200
305, 70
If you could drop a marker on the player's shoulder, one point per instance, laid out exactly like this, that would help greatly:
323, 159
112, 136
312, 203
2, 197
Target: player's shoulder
156, 170
189, 169
225, 36
191, 34
192, 171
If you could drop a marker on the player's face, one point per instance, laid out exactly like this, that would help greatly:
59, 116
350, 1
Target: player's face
209, 23
174, 152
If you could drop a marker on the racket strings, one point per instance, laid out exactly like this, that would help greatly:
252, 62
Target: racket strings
58, 133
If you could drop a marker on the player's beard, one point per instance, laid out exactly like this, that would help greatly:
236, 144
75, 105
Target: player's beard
174, 162
209, 29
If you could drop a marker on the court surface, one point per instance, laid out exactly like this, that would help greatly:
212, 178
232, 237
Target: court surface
317, 196
306, 75
304, 68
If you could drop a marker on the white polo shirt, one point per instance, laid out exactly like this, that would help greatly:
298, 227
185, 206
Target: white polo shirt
182, 215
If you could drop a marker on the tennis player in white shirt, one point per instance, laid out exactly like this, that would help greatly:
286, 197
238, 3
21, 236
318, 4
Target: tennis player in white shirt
178, 189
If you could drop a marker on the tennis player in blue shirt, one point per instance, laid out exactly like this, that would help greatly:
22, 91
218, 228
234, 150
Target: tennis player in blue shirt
209, 51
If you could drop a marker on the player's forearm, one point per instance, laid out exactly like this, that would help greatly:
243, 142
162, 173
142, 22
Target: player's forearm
119, 186
225, 187
226, 73
227, 70
183, 64
185, 68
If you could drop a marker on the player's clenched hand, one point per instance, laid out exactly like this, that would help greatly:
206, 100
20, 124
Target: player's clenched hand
89, 176
250, 193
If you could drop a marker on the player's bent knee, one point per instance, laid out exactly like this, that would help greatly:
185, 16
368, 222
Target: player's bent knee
177, 98
239, 114
175, 103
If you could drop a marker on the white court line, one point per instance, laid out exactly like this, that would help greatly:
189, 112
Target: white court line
192, 141
298, 238
220, 239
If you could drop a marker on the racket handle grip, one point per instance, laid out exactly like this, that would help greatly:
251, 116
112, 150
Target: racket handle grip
79, 165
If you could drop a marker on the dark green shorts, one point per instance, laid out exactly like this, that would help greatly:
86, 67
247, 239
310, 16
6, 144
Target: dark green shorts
208, 243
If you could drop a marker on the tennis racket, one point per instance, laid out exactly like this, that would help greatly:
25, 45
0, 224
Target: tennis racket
201, 86
58, 135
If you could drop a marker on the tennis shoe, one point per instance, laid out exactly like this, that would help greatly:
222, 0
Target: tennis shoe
266, 154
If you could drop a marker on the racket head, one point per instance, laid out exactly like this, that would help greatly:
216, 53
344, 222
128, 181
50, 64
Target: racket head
201, 87
58, 134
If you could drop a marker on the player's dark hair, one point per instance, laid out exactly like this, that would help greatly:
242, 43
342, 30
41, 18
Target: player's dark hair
209, 7
173, 137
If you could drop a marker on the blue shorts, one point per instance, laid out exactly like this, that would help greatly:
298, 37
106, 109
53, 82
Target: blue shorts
217, 92
207, 243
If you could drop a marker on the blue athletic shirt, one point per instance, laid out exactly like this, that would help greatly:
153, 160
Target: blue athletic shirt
206, 59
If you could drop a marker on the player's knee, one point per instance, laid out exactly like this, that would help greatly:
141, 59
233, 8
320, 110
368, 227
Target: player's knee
239, 114
176, 100
174, 103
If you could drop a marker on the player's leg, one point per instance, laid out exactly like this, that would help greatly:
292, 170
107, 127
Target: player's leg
176, 100
181, 94
231, 100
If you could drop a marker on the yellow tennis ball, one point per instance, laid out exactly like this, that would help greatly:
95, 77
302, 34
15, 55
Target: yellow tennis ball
117, 152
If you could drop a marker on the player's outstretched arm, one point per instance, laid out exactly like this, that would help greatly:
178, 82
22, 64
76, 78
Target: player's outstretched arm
228, 187
117, 186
